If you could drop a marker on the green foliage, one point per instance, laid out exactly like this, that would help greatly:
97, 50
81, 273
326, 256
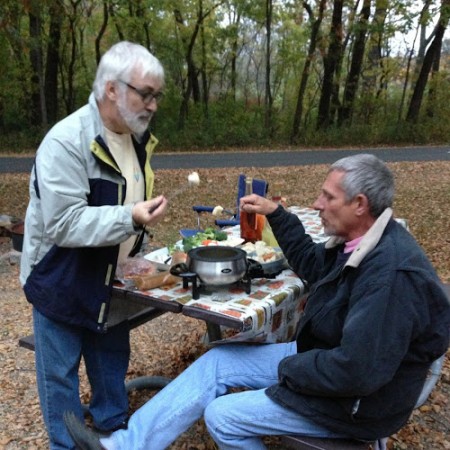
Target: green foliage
227, 124
223, 34
25, 140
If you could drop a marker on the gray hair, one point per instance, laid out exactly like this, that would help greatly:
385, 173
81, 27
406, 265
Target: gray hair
366, 174
120, 61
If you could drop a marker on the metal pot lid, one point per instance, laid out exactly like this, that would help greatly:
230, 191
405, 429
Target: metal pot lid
216, 253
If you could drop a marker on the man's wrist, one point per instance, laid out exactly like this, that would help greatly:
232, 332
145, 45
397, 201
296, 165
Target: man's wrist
136, 226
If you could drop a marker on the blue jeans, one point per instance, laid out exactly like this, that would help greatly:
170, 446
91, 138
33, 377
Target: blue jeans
58, 351
235, 421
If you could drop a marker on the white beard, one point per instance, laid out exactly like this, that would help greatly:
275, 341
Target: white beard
137, 123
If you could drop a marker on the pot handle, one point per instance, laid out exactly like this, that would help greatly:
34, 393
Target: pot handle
256, 270
179, 269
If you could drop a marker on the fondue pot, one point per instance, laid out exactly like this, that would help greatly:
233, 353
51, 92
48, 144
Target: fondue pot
214, 265
217, 265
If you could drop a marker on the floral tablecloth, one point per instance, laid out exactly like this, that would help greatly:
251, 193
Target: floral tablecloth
272, 309
267, 314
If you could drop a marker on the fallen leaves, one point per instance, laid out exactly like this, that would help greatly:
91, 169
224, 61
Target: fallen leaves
169, 343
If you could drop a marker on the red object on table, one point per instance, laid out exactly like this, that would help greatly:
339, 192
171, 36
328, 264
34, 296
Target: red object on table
251, 224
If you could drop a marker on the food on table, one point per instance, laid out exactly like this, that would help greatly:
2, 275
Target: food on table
193, 179
178, 257
135, 267
261, 252
155, 280
209, 236
217, 211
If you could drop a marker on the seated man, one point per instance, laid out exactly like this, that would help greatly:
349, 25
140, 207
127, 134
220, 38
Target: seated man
376, 318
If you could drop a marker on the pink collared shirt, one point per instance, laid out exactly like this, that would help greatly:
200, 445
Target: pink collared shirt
351, 245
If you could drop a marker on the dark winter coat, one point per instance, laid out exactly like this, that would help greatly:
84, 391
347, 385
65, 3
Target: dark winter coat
369, 332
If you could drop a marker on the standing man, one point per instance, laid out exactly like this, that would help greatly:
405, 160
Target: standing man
90, 198
375, 319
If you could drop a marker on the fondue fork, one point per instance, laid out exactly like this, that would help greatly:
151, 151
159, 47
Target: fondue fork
193, 180
218, 211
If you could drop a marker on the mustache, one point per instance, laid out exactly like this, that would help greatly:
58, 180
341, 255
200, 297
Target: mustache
146, 117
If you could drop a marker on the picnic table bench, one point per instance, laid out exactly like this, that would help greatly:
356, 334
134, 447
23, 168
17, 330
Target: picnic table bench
136, 312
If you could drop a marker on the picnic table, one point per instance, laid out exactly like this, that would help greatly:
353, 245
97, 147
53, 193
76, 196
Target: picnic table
268, 313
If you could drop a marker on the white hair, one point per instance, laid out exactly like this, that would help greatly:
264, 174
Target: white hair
120, 61
366, 174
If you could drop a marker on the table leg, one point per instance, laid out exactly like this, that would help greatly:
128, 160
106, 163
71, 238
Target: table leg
213, 330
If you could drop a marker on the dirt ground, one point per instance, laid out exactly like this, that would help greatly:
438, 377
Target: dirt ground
166, 345
161, 347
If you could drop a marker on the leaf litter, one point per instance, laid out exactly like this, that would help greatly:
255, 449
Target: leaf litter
168, 344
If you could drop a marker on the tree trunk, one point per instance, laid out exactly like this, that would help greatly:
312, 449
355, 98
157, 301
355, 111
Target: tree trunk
432, 91
52, 66
330, 64
423, 43
354, 74
234, 54
116, 25
192, 82
205, 97
371, 78
430, 55
38, 114
70, 94
315, 27
192, 87
268, 101
101, 32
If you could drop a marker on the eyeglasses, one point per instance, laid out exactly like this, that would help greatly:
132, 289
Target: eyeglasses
146, 96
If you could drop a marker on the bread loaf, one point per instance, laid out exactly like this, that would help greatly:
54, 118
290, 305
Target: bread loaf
155, 280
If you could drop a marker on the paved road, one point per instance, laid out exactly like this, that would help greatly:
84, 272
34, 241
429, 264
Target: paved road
262, 159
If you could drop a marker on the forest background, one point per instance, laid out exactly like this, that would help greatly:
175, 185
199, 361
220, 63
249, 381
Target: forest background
271, 73
239, 73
